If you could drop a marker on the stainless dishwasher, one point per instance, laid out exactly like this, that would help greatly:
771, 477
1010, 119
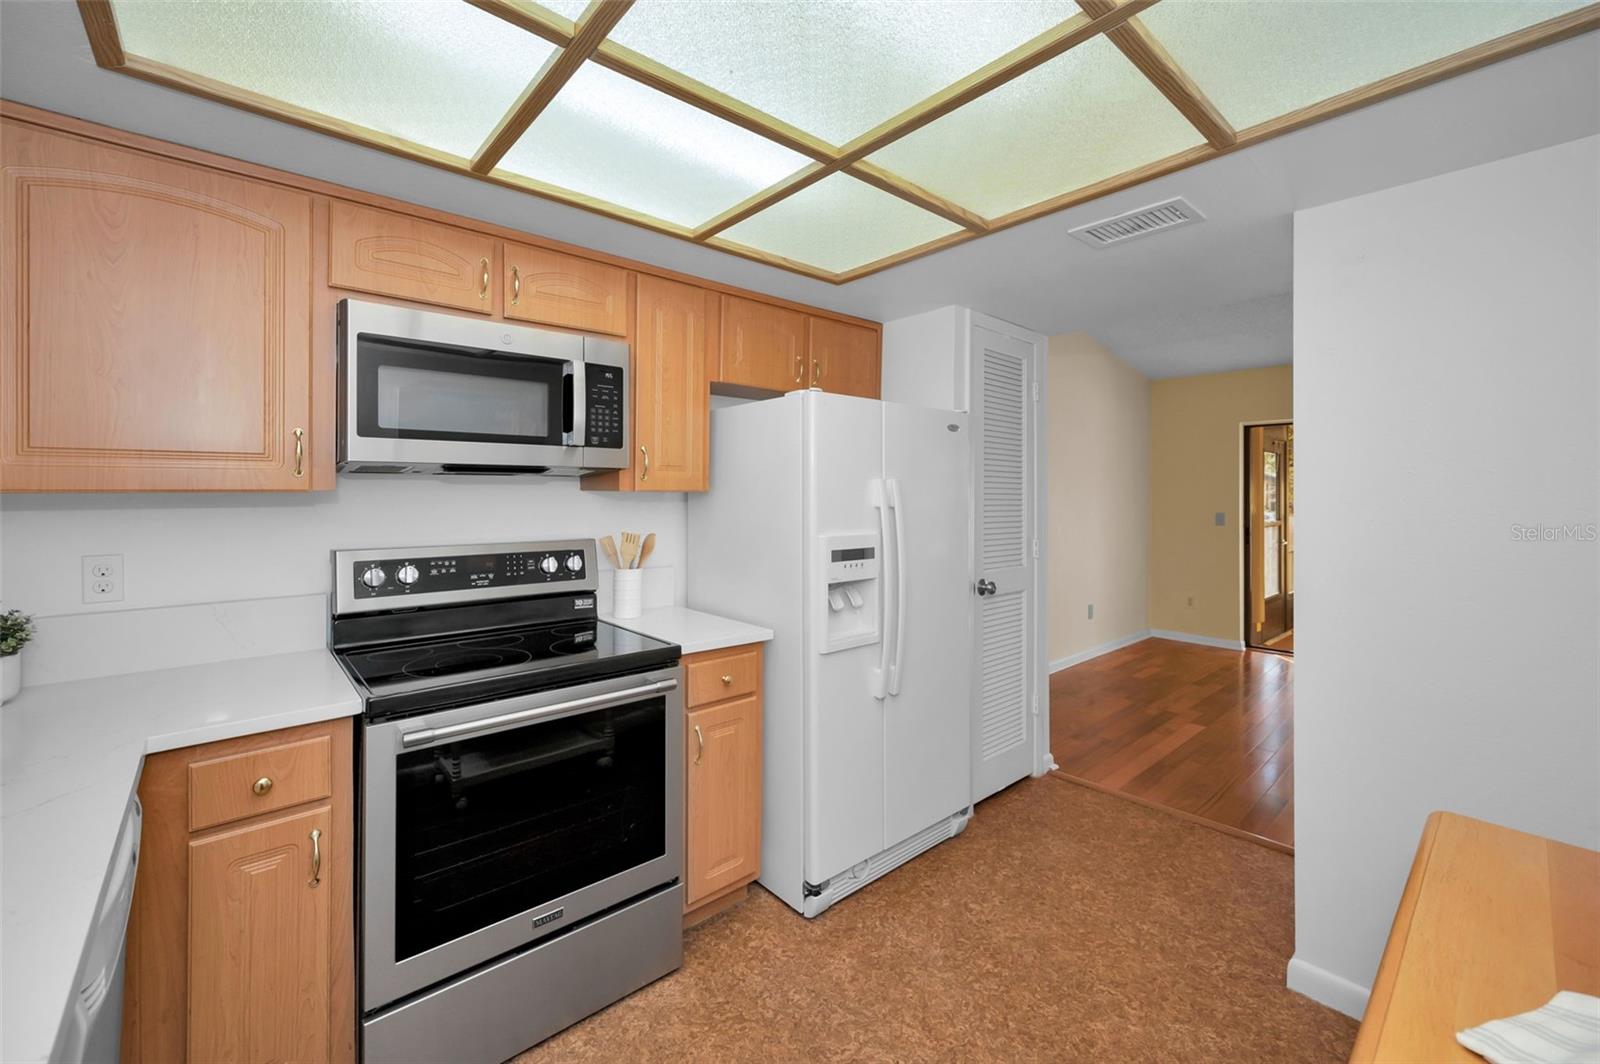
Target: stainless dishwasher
91, 1030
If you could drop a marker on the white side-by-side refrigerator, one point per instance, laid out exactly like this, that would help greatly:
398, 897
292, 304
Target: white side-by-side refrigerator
845, 526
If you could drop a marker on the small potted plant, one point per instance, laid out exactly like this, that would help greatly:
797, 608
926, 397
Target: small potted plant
16, 628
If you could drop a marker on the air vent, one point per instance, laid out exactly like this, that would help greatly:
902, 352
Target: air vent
1142, 222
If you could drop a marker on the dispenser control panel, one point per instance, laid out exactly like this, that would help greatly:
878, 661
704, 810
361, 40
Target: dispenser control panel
851, 601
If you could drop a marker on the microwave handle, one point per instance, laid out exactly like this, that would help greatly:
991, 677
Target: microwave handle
577, 412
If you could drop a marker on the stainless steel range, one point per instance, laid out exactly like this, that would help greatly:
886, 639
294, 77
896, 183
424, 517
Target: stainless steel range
521, 796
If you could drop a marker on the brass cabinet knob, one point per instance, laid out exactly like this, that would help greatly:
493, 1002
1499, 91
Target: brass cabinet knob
262, 785
726, 680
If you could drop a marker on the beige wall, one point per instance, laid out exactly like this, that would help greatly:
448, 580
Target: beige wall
1196, 451
1097, 422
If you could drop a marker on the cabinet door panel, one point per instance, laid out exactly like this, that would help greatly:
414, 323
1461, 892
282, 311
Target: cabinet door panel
671, 387
844, 358
260, 938
556, 289
724, 796
763, 346
392, 255
157, 323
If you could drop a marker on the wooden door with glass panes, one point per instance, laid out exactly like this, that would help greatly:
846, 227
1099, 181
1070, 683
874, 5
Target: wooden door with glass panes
1270, 540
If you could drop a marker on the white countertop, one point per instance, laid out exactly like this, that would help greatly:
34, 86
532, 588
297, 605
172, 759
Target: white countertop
70, 756
690, 629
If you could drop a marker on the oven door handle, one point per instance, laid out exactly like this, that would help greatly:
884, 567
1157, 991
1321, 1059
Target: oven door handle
468, 728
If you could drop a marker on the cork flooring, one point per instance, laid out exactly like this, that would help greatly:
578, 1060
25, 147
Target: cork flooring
1063, 925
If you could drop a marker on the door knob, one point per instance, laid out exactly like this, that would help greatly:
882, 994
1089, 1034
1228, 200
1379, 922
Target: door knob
986, 587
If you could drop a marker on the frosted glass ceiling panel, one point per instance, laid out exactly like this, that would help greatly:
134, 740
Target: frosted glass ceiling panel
439, 73
1257, 59
568, 9
833, 69
611, 138
838, 224
1085, 116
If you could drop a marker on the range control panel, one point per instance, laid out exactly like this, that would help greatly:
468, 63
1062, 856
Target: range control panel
435, 573
604, 401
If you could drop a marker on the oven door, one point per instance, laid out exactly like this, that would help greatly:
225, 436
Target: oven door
434, 391
488, 827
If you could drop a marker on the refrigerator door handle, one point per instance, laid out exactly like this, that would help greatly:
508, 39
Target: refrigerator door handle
899, 587
880, 675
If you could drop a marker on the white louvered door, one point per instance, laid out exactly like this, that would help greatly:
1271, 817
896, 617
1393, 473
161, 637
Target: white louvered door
1002, 418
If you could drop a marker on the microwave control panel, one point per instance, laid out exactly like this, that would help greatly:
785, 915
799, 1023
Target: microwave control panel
604, 402
392, 577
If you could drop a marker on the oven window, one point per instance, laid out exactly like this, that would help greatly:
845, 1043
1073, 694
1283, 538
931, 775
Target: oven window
408, 391
489, 827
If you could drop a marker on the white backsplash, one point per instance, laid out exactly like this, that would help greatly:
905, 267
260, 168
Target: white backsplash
211, 577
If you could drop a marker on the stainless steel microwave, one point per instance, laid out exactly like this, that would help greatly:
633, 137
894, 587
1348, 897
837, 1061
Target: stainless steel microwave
421, 392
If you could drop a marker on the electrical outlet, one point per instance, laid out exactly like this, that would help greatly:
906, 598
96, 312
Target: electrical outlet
102, 578
1091, 611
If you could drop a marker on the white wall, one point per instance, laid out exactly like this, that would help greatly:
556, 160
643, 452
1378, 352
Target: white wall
183, 549
1446, 394
1097, 431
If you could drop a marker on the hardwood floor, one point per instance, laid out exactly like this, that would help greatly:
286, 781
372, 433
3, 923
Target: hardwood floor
1205, 732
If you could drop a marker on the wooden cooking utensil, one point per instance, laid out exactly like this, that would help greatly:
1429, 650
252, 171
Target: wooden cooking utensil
630, 548
644, 552
609, 545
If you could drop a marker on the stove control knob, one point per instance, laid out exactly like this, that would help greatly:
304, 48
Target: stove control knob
374, 576
549, 564
407, 574
575, 563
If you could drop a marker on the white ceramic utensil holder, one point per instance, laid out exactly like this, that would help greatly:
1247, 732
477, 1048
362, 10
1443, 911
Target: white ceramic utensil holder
626, 592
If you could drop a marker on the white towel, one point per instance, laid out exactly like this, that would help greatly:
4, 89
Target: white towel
1564, 1030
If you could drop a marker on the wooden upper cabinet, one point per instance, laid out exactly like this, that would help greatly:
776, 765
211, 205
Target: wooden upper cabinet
389, 254
556, 289
763, 346
156, 323
673, 349
844, 358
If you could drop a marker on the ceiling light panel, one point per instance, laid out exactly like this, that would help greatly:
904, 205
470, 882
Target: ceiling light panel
1080, 118
608, 137
833, 69
567, 9
439, 73
837, 224
1258, 59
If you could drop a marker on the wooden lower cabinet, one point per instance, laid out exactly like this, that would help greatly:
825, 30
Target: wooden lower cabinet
241, 946
722, 751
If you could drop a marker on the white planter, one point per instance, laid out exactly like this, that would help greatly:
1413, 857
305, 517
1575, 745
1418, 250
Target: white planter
627, 595
10, 676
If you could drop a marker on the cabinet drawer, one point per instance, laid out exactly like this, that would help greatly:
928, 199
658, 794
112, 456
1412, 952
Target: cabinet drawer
224, 789
393, 255
722, 674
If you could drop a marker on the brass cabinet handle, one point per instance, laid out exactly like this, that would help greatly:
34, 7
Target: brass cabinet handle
316, 856
299, 452
646, 452
700, 738
726, 680
483, 280
516, 285
799, 368
816, 372
262, 785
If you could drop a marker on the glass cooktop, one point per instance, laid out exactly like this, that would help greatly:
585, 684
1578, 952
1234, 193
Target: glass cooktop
434, 673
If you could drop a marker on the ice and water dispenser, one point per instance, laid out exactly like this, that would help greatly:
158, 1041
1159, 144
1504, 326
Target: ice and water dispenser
850, 588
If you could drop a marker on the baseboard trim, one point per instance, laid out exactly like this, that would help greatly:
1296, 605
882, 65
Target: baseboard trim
1202, 640
1321, 985
1094, 652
